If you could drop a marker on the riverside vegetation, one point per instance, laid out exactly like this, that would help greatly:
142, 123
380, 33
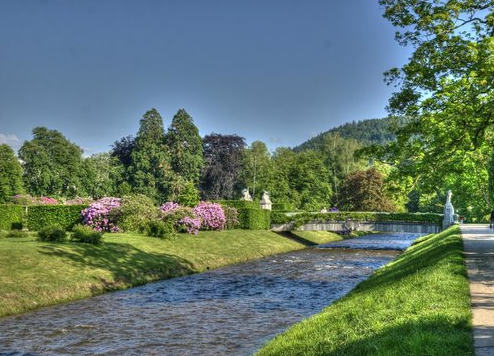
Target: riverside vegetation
417, 305
36, 274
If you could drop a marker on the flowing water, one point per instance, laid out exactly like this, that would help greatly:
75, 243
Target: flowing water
228, 311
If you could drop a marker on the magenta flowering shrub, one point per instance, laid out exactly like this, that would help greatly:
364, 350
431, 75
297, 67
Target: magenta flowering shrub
169, 207
182, 217
46, 201
211, 214
26, 199
190, 225
102, 215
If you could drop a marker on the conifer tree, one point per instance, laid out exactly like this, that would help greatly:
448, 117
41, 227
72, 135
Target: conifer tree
149, 170
185, 147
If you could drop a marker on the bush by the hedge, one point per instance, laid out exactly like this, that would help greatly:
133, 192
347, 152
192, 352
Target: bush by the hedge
66, 216
85, 234
11, 216
52, 233
254, 219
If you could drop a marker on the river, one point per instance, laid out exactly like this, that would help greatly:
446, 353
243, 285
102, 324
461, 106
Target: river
228, 311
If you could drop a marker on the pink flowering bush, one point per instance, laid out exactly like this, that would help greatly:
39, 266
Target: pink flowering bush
102, 215
46, 201
211, 214
182, 217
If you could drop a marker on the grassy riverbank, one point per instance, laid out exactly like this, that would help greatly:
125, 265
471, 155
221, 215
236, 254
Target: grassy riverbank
418, 305
35, 274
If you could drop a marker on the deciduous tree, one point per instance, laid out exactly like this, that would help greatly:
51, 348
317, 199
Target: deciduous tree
10, 174
223, 156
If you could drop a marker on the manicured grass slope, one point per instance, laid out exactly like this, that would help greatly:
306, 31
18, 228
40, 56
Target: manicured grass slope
35, 274
418, 305
318, 237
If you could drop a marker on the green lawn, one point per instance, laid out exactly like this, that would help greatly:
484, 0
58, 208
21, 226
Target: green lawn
318, 237
418, 305
35, 274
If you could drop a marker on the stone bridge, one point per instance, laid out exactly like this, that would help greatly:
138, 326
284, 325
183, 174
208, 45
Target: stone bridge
351, 225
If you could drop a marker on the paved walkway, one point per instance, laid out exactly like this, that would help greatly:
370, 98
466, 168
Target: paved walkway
479, 250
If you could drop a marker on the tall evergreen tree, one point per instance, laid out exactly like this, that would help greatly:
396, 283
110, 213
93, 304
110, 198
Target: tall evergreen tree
185, 147
52, 164
150, 169
223, 162
10, 174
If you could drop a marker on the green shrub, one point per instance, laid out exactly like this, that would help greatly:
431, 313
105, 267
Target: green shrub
135, 211
85, 234
17, 233
159, 228
65, 216
11, 216
254, 219
238, 204
53, 233
283, 206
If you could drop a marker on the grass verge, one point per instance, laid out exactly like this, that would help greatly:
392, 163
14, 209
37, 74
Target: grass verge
35, 274
318, 237
418, 305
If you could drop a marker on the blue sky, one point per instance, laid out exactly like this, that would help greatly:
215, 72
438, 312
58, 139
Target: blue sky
279, 71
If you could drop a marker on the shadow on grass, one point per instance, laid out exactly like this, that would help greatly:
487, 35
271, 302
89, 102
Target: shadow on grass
129, 266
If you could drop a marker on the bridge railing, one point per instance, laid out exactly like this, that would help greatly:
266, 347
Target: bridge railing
367, 221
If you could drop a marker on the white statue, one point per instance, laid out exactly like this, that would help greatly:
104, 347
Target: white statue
265, 202
246, 195
449, 212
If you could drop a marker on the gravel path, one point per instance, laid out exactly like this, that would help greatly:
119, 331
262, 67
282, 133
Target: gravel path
479, 250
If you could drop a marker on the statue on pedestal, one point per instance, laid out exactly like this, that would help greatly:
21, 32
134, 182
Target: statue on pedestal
246, 195
265, 202
449, 212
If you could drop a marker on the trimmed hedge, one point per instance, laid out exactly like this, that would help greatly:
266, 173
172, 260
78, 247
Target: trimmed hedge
300, 219
66, 216
282, 207
11, 216
238, 204
254, 219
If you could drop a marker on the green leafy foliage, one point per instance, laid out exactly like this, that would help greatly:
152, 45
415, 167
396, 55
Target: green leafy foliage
85, 234
231, 216
52, 233
17, 233
364, 191
10, 174
254, 219
52, 164
223, 156
135, 210
65, 216
238, 204
11, 216
159, 228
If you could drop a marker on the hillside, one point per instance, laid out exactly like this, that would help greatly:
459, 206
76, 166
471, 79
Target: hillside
372, 131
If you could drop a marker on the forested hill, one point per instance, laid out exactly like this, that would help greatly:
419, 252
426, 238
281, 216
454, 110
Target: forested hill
372, 131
